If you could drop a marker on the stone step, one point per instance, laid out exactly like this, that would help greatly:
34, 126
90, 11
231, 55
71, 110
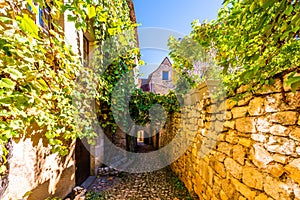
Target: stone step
89, 181
124, 165
117, 161
115, 158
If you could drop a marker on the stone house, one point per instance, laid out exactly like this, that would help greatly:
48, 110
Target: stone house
161, 80
35, 172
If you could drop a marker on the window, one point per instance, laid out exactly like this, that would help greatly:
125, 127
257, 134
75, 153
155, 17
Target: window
45, 18
165, 75
42, 15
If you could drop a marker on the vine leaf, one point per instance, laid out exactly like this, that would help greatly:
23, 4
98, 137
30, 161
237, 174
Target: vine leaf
14, 73
294, 82
7, 83
27, 25
91, 11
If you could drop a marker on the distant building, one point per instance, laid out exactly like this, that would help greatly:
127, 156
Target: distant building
159, 81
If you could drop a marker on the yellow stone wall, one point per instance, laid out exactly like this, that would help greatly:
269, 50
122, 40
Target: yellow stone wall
245, 149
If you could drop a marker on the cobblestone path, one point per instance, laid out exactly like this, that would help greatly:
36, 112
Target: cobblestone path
154, 185
161, 184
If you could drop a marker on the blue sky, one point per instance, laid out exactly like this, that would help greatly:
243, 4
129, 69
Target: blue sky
161, 18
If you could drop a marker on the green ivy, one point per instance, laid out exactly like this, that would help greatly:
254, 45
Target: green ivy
38, 76
141, 103
254, 40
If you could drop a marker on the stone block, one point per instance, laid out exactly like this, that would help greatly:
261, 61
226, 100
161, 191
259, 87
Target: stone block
228, 188
223, 195
228, 115
261, 196
216, 189
231, 137
238, 112
298, 150
230, 103
292, 101
279, 130
256, 106
245, 142
243, 88
219, 126
281, 145
218, 167
225, 148
259, 137
260, 156
229, 124
245, 100
233, 168
221, 117
208, 175
200, 185
219, 156
293, 170
221, 137
297, 192
209, 192
273, 102
243, 189
275, 169
252, 178
239, 154
295, 134
246, 125
276, 189
263, 125
285, 117
201, 122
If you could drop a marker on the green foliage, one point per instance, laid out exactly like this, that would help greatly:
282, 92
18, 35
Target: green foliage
141, 103
254, 40
115, 56
39, 73
37, 78
193, 64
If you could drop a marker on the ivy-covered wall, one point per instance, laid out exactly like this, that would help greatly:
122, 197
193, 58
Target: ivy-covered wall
256, 152
45, 84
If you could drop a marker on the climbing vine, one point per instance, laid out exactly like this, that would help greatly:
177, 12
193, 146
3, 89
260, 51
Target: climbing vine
37, 76
39, 73
141, 103
254, 41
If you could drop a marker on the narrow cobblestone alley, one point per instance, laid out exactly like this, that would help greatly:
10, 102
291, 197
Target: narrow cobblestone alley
162, 184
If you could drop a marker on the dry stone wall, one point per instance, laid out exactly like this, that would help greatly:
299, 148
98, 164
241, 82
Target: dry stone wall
245, 149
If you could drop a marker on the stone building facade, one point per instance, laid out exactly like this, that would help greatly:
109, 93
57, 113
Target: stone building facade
161, 80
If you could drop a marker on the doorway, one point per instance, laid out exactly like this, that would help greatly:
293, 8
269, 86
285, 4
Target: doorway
82, 158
